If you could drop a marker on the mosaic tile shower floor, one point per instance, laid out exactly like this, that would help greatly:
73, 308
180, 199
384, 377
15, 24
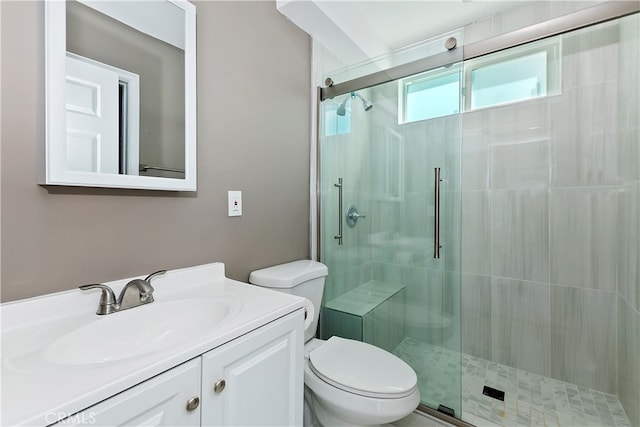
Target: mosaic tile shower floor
530, 399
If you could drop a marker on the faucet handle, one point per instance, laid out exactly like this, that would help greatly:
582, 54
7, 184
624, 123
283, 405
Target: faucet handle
107, 303
152, 275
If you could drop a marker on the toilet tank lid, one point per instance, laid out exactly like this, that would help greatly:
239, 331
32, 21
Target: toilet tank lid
288, 275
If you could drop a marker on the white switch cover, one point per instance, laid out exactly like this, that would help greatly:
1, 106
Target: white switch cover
235, 203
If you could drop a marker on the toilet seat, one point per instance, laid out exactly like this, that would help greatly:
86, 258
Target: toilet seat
362, 368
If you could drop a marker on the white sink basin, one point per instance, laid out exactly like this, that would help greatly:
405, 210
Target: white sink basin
58, 339
139, 331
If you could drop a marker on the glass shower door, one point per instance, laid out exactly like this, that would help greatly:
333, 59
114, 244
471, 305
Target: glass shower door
390, 224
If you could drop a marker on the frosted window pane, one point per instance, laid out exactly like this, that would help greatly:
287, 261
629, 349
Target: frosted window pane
431, 96
510, 80
335, 124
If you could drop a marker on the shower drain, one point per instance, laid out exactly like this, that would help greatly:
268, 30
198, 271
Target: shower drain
493, 392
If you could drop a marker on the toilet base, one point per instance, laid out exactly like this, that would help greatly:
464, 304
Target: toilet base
315, 415
310, 419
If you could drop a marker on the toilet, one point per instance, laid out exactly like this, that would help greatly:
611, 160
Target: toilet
347, 382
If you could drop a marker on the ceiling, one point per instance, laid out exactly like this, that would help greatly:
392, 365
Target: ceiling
359, 29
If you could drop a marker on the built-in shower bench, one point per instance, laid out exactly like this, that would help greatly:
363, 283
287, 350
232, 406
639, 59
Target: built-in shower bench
372, 312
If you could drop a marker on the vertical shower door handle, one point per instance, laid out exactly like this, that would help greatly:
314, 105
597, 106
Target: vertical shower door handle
339, 235
436, 216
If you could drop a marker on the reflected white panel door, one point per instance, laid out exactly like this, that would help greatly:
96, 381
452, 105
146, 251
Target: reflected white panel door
92, 118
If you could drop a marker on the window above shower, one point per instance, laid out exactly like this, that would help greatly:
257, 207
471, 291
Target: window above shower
336, 122
435, 93
513, 75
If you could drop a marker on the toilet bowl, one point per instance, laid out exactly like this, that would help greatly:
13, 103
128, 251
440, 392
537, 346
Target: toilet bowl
347, 382
353, 383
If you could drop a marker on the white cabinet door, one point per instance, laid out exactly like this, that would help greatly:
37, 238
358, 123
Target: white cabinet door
263, 377
160, 401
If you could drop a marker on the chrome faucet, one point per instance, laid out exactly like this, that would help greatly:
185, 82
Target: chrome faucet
136, 292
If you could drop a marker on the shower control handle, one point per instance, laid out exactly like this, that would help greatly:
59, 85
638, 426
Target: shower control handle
353, 215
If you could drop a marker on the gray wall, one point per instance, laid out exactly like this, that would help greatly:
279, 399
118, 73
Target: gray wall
253, 135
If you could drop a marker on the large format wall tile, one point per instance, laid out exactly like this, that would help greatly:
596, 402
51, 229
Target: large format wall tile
628, 251
391, 273
520, 165
583, 237
628, 254
348, 270
521, 122
384, 326
590, 56
451, 229
476, 316
476, 232
520, 234
583, 337
629, 150
637, 249
628, 366
425, 304
425, 288
520, 324
584, 151
453, 152
416, 213
452, 320
475, 150
629, 91
418, 156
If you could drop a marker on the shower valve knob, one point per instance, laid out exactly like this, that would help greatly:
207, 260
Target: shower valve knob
353, 215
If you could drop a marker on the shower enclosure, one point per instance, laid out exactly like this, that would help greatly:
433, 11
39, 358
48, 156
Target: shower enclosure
479, 217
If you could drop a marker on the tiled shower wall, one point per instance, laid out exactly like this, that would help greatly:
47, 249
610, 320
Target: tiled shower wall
551, 214
346, 156
550, 222
628, 251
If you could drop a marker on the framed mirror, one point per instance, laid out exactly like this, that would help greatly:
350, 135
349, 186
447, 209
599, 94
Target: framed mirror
120, 94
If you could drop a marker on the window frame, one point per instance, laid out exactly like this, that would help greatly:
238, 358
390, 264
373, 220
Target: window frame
552, 48
436, 73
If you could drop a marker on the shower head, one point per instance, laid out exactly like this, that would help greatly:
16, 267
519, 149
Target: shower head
365, 104
342, 110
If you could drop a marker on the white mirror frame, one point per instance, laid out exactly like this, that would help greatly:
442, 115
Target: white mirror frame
52, 155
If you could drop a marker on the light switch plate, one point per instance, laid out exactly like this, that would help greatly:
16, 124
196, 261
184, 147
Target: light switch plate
235, 203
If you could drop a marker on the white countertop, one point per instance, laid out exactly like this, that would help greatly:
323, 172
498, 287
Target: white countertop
36, 391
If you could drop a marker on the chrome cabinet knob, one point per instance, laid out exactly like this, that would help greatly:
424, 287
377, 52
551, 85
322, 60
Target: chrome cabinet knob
193, 403
219, 386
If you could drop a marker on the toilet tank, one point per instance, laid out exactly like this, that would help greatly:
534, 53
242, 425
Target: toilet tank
304, 278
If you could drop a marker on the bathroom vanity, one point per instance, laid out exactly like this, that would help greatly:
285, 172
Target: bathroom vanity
208, 351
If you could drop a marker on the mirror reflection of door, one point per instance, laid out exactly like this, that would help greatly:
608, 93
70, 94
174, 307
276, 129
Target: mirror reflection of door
102, 109
146, 38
